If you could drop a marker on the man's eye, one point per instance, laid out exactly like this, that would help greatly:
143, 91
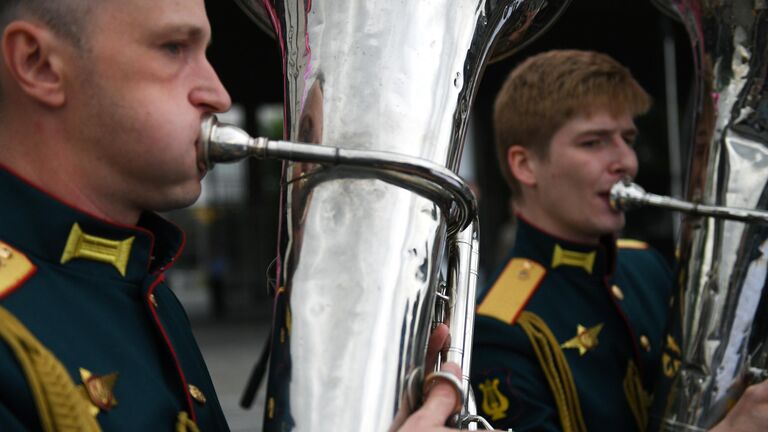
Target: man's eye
173, 48
590, 143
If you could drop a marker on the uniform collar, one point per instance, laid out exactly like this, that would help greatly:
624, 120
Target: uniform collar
563, 255
51, 230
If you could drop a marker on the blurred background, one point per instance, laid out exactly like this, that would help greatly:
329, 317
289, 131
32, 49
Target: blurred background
223, 278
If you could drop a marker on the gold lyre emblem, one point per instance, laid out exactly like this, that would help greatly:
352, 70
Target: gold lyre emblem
585, 260
671, 365
585, 339
81, 245
495, 404
98, 390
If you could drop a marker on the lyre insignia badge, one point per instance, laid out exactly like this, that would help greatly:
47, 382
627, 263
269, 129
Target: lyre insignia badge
495, 404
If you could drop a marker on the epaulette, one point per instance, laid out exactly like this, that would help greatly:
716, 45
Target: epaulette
15, 269
631, 244
512, 290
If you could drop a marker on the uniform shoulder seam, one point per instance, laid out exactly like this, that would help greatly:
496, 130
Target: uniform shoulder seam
627, 243
15, 269
512, 290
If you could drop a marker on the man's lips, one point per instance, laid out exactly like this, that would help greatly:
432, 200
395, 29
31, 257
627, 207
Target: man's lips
201, 167
606, 197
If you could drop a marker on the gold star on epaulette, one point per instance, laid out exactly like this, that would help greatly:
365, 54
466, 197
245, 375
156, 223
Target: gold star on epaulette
585, 339
98, 390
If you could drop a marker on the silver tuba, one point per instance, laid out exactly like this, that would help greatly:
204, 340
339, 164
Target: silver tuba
721, 317
382, 88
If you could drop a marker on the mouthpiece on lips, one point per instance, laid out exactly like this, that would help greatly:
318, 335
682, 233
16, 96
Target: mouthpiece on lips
626, 195
224, 143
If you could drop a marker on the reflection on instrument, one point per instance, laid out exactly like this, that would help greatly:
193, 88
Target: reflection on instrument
722, 316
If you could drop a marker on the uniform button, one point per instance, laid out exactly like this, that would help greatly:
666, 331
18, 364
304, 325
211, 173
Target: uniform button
616, 291
645, 342
153, 300
5, 253
196, 394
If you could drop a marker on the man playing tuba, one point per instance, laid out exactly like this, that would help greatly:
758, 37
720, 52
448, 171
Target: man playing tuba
100, 110
570, 334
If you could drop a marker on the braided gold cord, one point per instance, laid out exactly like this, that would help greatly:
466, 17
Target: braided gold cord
59, 404
185, 424
556, 370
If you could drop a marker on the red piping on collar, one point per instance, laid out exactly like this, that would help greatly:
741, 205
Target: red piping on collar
167, 340
99, 218
627, 325
72, 206
519, 216
179, 250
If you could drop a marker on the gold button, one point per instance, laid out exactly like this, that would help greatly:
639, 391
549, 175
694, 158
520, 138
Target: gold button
271, 408
5, 253
525, 272
616, 291
645, 342
196, 394
153, 300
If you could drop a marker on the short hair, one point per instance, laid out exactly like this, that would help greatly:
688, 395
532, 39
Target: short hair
545, 91
66, 18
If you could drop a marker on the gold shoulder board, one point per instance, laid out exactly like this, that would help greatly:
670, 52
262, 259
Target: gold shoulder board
15, 268
631, 244
512, 290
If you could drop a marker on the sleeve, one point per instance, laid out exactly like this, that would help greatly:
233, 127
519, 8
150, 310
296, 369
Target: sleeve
510, 388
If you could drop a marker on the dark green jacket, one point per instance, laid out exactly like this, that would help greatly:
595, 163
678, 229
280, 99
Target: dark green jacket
569, 336
94, 294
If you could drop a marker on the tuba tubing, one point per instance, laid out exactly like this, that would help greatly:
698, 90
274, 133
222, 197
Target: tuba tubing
718, 331
369, 227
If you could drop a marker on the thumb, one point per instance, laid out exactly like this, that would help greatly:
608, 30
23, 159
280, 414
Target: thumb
440, 403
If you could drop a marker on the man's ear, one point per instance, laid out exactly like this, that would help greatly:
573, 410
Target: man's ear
33, 57
521, 164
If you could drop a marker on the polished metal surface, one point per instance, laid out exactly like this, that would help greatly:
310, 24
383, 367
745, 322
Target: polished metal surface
363, 257
225, 143
626, 195
458, 311
519, 22
722, 316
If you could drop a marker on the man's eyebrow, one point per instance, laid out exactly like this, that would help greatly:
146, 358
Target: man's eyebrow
189, 31
602, 132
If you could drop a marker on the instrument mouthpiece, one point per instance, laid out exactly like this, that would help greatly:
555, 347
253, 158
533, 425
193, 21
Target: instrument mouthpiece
225, 143
626, 195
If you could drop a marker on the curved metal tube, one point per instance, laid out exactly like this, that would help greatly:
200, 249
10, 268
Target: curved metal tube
225, 143
719, 321
366, 233
626, 195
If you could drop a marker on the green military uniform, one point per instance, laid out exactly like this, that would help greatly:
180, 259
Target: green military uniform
569, 336
91, 336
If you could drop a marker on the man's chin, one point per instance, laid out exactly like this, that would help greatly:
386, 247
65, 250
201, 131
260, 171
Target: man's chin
611, 224
177, 200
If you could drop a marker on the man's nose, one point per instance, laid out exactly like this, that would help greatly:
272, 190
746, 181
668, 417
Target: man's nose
210, 95
625, 159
